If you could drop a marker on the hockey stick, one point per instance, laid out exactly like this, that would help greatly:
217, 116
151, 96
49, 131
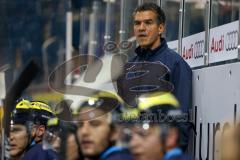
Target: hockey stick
22, 82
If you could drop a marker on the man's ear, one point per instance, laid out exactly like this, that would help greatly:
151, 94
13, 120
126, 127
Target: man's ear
115, 134
161, 28
172, 138
40, 131
34, 131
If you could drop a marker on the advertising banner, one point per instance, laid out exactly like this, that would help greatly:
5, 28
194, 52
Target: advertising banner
223, 42
193, 49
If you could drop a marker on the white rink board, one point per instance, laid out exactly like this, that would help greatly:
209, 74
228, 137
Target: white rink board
216, 94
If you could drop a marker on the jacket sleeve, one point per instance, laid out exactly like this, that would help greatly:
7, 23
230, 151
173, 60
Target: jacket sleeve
182, 81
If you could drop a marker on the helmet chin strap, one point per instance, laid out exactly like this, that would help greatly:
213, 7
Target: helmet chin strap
31, 141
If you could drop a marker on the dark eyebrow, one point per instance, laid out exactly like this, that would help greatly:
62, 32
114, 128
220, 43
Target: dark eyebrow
148, 20
145, 20
137, 21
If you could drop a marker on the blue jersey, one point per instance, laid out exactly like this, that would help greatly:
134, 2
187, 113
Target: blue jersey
116, 153
38, 153
176, 154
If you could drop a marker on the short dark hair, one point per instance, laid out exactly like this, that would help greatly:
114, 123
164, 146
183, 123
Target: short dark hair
161, 18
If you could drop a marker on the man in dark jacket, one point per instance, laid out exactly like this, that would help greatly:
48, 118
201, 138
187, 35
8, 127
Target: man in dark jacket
155, 65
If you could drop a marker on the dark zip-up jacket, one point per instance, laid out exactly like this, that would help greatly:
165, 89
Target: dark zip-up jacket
179, 75
36, 152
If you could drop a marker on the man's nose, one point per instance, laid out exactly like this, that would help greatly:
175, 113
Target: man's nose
11, 136
135, 141
85, 129
142, 26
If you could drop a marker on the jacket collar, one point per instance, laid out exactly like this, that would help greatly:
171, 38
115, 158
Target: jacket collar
173, 153
146, 52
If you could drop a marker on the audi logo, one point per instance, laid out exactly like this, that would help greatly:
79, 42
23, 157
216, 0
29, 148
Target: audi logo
198, 50
195, 51
231, 41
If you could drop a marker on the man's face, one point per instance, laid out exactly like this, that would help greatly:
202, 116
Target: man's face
72, 148
18, 140
145, 143
147, 30
229, 145
94, 135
